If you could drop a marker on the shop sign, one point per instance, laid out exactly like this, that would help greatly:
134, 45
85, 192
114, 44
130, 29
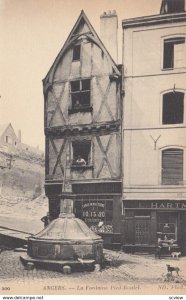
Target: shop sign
168, 205
93, 204
93, 212
164, 205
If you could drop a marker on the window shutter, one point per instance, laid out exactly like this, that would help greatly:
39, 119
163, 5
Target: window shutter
172, 167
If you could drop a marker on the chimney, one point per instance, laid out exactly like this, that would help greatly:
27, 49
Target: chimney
19, 135
109, 32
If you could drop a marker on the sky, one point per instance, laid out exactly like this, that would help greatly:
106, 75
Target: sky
32, 34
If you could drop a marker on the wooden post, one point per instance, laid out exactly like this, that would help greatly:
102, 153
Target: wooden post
153, 236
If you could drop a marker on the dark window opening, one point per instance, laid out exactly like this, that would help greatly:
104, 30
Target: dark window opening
81, 153
172, 6
85, 84
76, 52
173, 108
80, 95
174, 52
8, 139
172, 167
75, 86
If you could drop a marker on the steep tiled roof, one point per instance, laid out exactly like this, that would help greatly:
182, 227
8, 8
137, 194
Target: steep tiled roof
3, 127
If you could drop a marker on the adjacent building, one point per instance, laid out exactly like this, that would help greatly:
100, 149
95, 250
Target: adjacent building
21, 166
154, 128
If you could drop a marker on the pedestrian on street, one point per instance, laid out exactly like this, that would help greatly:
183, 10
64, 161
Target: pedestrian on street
46, 219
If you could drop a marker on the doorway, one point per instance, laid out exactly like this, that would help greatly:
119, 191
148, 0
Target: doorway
142, 230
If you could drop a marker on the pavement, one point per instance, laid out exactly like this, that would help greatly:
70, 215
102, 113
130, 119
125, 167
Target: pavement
127, 274
123, 271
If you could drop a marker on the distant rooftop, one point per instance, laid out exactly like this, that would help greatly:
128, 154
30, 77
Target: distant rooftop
3, 127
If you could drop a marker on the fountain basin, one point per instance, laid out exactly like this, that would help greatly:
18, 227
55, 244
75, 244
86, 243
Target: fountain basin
66, 239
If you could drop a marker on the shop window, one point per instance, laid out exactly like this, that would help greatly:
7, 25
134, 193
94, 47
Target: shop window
173, 108
76, 52
172, 167
174, 53
172, 6
80, 96
81, 153
97, 214
167, 226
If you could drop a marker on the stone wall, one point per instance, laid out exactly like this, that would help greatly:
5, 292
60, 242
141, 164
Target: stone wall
25, 178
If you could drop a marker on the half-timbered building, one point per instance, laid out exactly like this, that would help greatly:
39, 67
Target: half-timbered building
82, 96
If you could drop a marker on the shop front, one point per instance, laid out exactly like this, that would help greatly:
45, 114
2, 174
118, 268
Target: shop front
146, 223
100, 213
96, 213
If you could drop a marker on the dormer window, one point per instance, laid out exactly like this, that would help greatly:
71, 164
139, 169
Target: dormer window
80, 96
172, 6
76, 52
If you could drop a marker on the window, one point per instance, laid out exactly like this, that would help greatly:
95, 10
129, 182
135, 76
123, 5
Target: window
173, 108
80, 95
174, 53
172, 167
76, 52
8, 139
172, 6
81, 153
167, 226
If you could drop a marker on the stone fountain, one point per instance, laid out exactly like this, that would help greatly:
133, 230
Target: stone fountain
66, 241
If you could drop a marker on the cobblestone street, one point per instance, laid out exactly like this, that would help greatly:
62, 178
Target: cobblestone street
124, 269
125, 272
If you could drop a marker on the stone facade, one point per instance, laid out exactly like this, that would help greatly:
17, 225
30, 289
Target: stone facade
154, 56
